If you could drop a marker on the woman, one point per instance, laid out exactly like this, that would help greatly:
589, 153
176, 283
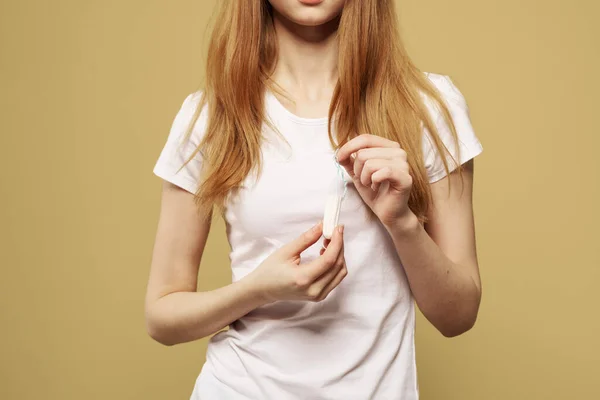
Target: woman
295, 90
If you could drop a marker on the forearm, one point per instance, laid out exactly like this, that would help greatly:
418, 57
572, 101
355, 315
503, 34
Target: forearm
447, 294
187, 316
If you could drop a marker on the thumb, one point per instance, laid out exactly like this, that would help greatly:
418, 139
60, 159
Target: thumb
304, 241
348, 165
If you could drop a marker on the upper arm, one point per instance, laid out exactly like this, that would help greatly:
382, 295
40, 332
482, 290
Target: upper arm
450, 221
180, 240
182, 229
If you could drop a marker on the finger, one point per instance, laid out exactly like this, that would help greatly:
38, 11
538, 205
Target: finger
370, 167
375, 187
335, 247
335, 282
385, 153
340, 258
379, 153
400, 181
353, 164
321, 283
348, 164
325, 262
324, 246
362, 142
304, 241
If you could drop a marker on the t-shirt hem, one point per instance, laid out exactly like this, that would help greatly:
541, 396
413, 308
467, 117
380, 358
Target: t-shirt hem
473, 150
169, 174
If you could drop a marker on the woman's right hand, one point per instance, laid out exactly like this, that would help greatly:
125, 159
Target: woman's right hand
282, 276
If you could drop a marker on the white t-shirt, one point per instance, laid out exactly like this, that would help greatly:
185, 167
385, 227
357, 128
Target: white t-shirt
357, 344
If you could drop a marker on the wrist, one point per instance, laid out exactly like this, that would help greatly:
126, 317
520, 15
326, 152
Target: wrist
406, 225
253, 290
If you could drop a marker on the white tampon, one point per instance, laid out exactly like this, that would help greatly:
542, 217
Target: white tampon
332, 214
333, 204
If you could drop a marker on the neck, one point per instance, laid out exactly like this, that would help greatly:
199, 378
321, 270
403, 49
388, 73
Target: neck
308, 56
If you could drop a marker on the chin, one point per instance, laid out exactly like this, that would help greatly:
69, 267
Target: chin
309, 12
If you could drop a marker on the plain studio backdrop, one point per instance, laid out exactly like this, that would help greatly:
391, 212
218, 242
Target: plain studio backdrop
88, 93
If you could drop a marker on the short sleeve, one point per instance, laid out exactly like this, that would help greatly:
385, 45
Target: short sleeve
469, 144
178, 149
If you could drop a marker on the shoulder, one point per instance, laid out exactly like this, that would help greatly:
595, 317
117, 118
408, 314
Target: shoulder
194, 97
187, 118
191, 103
187, 114
447, 88
467, 144
451, 96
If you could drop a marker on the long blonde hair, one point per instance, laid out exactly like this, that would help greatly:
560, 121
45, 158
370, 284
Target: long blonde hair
380, 91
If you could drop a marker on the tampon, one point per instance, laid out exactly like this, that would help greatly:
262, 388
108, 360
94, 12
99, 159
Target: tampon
333, 204
332, 214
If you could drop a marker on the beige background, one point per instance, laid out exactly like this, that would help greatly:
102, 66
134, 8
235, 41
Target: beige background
88, 90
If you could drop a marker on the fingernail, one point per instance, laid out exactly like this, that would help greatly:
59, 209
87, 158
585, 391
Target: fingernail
317, 226
341, 229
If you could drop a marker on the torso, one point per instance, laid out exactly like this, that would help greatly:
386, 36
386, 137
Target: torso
356, 344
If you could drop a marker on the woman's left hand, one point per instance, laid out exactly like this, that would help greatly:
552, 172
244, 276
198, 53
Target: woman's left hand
381, 175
